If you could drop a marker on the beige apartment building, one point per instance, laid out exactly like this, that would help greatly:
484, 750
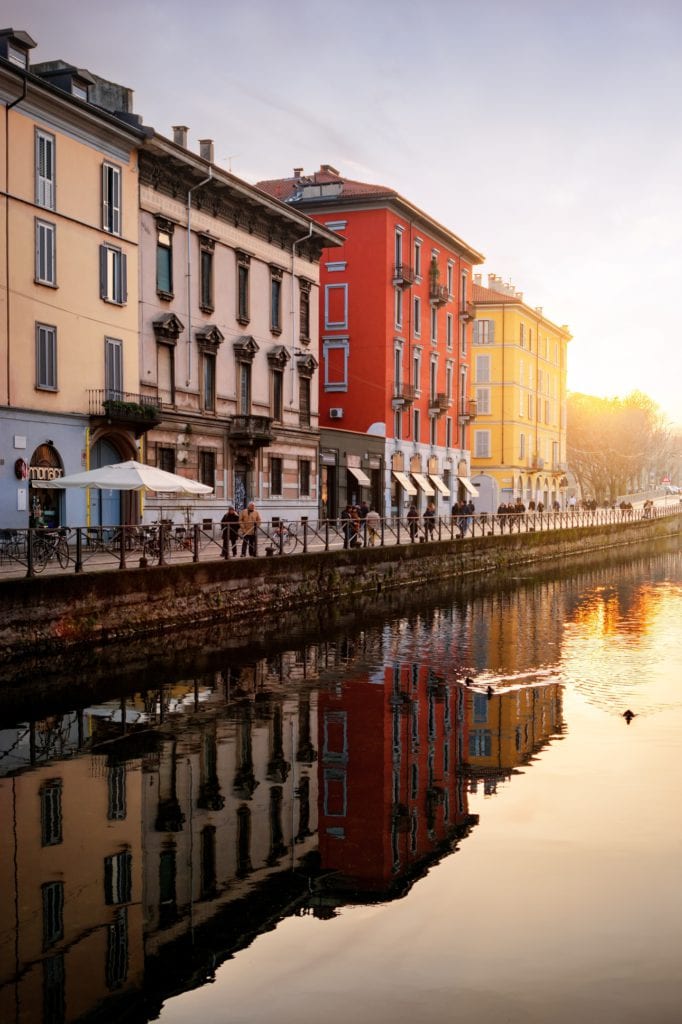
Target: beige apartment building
229, 337
69, 366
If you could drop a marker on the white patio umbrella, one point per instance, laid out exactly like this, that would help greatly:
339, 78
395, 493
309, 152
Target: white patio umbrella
129, 476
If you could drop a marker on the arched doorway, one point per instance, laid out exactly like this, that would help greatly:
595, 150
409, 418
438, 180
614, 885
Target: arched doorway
106, 507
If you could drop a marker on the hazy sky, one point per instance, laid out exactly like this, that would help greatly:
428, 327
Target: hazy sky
545, 134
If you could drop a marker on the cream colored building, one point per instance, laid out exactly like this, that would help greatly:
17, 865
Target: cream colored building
68, 286
519, 385
229, 334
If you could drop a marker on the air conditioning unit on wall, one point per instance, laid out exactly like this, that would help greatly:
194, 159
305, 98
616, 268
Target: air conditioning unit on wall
336, 414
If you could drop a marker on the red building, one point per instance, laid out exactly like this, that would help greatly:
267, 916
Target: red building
395, 337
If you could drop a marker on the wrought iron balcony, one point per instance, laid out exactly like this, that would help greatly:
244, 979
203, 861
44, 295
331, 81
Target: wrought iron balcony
438, 293
470, 411
467, 312
138, 413
404, 393
403, 275
438, 404
250, 431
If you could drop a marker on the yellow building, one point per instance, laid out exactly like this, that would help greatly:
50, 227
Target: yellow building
519, 384
69, 364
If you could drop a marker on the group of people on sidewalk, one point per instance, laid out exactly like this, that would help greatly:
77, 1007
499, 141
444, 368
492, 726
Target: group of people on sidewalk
360, 524
242, 524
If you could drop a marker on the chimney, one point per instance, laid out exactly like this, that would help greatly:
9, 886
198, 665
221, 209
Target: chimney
298, 171
538, 310
206, 150
328, 169
478, 278
180, 135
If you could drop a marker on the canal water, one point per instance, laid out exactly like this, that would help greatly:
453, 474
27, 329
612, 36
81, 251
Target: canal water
436, 815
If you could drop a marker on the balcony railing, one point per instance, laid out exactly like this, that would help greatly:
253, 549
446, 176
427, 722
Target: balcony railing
403, 275
467, 312
136, 412
252, 431
404, 393
470, 411
438, 404
438, 293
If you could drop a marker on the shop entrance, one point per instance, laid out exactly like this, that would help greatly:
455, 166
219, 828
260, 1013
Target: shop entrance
45, 506
105, 506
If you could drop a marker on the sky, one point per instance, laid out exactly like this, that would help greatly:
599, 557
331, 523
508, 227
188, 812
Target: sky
544, 134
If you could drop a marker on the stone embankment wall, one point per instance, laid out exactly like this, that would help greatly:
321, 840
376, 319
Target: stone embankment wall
53, 613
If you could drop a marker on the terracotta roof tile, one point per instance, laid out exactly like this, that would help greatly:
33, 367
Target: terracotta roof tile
285, 188
488, 295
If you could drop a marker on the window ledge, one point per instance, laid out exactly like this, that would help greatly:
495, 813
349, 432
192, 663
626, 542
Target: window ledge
276, 330
165, 296
45, 284
243, 320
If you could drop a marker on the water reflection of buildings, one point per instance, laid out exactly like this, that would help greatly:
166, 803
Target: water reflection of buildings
153, 837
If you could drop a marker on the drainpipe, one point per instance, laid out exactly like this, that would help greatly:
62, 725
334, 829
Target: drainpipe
298, 241
7, 110
189, 272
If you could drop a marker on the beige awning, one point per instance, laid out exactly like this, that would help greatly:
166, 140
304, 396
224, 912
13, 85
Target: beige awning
360, 476
438, 482
424, 484
405, 482
468, 486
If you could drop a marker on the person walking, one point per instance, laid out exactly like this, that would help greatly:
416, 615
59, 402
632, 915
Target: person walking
429, 520
413, 521
249, 521
230, 523
347, 526
373, 521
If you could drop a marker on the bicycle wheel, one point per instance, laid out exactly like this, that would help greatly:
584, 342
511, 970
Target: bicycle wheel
62, 551
290, 538
41, 554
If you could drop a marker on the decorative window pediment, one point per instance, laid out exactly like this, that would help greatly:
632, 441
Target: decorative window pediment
207, 243
278, 357
276, 272
163, 224
168, 328
210, 337
245, 348
243, 258
305, 285
306, 365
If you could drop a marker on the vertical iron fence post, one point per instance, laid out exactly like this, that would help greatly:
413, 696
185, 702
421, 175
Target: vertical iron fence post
195, 543
78, 567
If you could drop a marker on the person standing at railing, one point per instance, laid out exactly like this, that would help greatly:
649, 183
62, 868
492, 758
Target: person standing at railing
230, 523
249, 521
347, 526
413, 521
373, 520
429, 520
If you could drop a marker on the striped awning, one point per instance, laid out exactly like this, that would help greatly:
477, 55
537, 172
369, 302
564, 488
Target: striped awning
360, 476
424, 484
437, 481
468, 486
405, 482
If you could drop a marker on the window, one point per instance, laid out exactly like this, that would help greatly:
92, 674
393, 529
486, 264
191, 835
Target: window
53, 913
483, 369
275, 475
484, 332
483, 401
448, 380
336, 306
481, 444
463, 280
113, 276
165, 459
116, 784
418, 259
480, 743
304, 402
54, 999
79, 91
111, 199
45, 253
522, 335
448, 434
117, 950
206, 248
46, 357
45, 170
417, 316
451, 279
276, 275
463, 339
417, 370
522, 446
397, 423
480, 708
118, 879
244, 375
398, 247
164, 260
433, 430
304, 310
416, 424
113, 368
277, 395
207, 462
17, 56
433, 378
530, 407
243, 268
335, 355
208, 862
448, 330
304, 479
434, 324
51, 813
208, 382
398, 302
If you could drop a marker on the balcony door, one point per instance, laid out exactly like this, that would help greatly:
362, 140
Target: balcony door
105, 506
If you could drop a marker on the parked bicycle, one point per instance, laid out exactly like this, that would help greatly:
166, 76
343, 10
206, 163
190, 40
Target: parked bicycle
48, 546
282, 536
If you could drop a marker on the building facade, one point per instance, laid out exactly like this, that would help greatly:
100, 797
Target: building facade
519, 385
228, 334
395, 336
68, 287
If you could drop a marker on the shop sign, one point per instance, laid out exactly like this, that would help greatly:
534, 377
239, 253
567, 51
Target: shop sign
44, 473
